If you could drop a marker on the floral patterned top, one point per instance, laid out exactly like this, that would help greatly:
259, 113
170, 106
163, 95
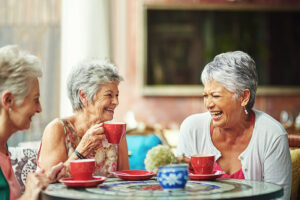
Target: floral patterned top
106, 156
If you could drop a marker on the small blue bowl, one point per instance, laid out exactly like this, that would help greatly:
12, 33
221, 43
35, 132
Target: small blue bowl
173, 177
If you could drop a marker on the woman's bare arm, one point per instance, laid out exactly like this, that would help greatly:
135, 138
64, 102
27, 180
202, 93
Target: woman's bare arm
53, 148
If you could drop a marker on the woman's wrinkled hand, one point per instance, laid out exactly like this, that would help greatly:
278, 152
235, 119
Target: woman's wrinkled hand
184, 159
56, 172
35, 183
91, 140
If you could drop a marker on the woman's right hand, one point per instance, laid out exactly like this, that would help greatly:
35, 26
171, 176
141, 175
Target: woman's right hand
91, 140
35, 183
185, 159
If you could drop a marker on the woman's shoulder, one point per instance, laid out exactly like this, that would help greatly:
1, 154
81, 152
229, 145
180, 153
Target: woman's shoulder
198, 116
196, 119
56, 123
264, 121
54, 128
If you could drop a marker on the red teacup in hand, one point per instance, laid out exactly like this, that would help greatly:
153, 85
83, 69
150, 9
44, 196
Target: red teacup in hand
203, 163
82, 169
114, 131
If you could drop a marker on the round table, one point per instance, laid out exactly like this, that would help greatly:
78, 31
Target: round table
114, 188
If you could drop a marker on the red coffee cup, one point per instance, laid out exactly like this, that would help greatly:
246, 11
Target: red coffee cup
203, 163
114, 131
82, 169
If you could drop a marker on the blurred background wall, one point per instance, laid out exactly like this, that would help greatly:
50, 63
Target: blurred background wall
63, 32
170, 111
35, 27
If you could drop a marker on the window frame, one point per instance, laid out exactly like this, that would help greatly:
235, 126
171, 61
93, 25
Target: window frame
197, 90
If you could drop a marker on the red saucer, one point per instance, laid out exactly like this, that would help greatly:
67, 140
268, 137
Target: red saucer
134, 175
70, 182
212, 176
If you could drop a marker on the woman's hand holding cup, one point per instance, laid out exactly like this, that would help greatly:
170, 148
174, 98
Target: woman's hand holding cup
91, 140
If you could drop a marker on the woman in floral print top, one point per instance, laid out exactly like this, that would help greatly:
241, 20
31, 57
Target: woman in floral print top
93, 92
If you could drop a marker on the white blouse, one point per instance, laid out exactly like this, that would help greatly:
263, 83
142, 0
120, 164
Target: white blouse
267, 157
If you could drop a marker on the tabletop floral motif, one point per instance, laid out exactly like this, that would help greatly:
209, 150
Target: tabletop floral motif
152, 188
171, 179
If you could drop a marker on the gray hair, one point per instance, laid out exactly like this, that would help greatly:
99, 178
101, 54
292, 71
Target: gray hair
90, 76
18, 70
236, 71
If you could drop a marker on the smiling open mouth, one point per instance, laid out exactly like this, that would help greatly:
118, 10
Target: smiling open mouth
110, 110
216, 114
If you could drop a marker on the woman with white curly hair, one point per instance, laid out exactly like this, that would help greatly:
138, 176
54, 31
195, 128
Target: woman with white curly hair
247, 143
93, 92
20, 93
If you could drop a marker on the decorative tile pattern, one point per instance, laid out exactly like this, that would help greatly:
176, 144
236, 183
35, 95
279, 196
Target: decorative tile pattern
114, 188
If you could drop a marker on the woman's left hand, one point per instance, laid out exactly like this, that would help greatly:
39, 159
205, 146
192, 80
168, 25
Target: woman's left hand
56, 172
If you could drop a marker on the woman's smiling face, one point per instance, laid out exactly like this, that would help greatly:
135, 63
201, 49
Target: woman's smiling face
104, 104
224, 108
21, 115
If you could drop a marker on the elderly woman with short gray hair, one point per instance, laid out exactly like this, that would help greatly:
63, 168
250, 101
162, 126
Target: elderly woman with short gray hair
247, 143
93, 92
20, 94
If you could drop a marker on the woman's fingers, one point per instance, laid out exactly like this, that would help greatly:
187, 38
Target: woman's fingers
37, 180
183, 159
96, 134
40, 170
95, 130
55, 171
61, 174
91, 139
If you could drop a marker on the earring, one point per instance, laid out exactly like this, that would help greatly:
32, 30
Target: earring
246, 111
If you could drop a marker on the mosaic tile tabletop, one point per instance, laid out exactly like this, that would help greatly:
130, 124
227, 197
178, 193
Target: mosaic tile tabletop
114, 188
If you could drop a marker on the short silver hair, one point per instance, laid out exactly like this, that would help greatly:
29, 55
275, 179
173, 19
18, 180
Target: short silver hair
236, 71
18, 70
89, 76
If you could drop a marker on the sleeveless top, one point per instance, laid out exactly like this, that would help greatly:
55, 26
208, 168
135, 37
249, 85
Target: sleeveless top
106, 156
8, 183
238, 174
